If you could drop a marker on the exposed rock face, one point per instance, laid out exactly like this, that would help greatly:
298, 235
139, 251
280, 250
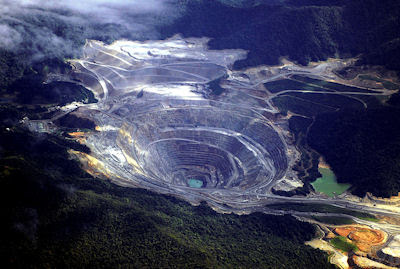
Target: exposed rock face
394, 200
171, 111
391, 253
363, 262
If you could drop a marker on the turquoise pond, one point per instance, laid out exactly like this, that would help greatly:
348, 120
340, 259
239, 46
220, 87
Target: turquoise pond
327, 184
195, 183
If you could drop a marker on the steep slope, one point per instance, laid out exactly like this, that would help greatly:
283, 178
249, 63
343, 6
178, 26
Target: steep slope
302, 30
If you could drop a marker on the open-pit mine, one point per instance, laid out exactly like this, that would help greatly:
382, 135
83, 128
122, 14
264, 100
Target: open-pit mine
174, 117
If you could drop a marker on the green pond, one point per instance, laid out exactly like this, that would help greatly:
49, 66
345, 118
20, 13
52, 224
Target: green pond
327, 184
195, 183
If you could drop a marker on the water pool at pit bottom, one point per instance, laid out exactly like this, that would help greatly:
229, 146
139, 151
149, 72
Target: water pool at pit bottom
195, 183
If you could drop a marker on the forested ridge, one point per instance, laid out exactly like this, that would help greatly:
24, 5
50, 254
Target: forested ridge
363, 148
304, 31
301, 30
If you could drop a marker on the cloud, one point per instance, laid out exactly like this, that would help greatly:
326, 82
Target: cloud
9, 36
53, 28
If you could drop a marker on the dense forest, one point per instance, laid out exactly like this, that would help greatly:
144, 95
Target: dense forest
304, 31
363, 148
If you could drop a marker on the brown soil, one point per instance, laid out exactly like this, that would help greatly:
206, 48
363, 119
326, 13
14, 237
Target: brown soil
330, 235
79, 136
76, 134
363, 237
322, 163
344, 231
390, 220
373, 237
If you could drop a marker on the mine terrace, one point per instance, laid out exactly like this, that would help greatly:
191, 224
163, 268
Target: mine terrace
176, 120
173, 117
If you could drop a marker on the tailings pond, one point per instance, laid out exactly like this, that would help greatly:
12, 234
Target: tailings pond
327, 184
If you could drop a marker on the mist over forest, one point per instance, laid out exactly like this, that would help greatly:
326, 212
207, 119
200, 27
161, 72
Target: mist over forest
45, 29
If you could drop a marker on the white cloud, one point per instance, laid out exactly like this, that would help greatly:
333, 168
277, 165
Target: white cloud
9, 37
37, 23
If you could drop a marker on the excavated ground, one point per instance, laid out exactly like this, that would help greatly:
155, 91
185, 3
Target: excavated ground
363, 237
172, 117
